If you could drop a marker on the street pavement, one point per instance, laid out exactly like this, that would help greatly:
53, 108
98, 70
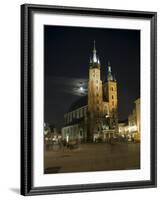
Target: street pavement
92, 157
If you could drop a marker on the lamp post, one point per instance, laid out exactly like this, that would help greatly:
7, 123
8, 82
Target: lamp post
106, 124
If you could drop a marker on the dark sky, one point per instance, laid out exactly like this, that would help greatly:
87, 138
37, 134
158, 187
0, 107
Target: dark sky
67, 53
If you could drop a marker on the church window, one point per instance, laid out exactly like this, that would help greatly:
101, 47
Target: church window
70, 117
77, 114
67, 118
111, 88
112, 97
113, 103
81, 134
73, 114
81, 113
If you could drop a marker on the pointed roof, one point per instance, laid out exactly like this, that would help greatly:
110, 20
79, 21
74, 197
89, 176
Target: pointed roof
94, 60
94, 53
109, 75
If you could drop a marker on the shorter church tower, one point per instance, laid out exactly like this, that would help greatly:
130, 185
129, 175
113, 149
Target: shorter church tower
110, 95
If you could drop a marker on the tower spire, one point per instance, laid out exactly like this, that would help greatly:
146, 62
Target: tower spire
109, 67
94, 53
109, 76
94, 59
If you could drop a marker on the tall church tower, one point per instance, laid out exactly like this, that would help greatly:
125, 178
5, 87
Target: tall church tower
110, 95
94, 95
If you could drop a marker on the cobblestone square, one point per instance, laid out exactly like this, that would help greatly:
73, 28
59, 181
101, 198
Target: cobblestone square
92, 157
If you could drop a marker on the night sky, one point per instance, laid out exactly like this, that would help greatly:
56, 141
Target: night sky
67, 54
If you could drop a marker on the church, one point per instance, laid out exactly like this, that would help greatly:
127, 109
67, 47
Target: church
94, 117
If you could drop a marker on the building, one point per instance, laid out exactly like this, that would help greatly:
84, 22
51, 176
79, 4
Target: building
134, 121
131, 128
137, 107
123, 128
51, 134
94, 117
75, 121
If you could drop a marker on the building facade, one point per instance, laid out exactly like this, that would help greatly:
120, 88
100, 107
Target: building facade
137, 107
96, 115
131, 127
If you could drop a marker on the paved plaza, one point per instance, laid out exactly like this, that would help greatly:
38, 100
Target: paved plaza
92, 157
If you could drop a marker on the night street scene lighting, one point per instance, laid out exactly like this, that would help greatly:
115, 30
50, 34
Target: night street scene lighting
91, 99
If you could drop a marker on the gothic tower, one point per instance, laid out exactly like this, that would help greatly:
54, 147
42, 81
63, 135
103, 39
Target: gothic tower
94, 95
110, 95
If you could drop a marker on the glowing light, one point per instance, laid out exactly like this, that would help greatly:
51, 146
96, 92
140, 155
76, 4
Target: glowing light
132, 128
106, 116
81, 89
